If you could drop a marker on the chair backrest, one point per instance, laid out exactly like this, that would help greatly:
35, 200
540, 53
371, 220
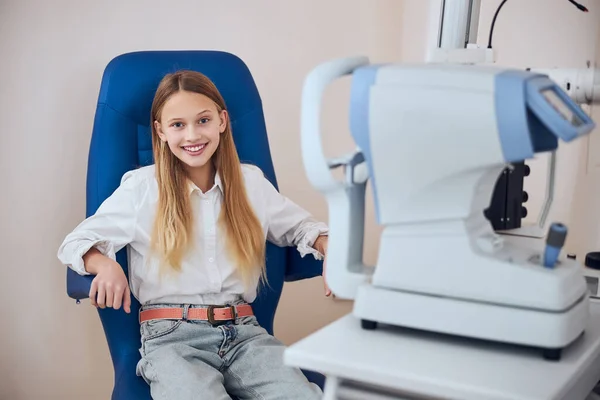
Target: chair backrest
121, 141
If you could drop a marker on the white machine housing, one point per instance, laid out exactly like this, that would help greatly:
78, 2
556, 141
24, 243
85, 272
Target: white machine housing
433, 139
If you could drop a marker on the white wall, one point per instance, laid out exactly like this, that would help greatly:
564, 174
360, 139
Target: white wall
53, 54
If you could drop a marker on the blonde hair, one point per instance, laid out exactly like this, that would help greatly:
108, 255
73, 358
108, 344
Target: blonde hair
173, 231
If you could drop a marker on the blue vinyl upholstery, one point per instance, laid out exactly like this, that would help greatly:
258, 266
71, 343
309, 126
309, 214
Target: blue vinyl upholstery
121, 141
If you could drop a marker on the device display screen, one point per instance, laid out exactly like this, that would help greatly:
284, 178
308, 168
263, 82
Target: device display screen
561, 108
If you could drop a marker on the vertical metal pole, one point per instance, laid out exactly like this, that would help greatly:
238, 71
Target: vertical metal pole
453, 23
473, 27
543, 217
434, 31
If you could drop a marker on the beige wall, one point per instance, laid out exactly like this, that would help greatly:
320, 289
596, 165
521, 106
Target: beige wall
585, 211
53, 54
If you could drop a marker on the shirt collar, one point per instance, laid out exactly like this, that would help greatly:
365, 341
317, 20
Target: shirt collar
218, 183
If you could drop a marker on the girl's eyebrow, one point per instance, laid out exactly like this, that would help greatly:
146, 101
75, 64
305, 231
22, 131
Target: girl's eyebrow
179, 118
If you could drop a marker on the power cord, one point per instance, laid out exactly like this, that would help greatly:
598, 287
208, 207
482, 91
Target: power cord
494, 23
576, 4
581, 7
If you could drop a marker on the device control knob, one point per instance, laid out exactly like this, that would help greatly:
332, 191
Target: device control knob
592, 260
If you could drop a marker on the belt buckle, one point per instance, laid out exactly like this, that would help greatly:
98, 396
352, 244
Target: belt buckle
210, 314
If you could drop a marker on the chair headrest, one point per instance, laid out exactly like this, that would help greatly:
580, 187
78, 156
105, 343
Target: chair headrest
130, 80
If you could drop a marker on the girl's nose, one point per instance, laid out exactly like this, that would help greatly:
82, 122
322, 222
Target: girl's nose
192, 133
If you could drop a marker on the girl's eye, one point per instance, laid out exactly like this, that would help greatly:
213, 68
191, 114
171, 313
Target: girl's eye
176, 124
204, 120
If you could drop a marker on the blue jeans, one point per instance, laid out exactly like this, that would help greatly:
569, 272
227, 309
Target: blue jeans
194, 360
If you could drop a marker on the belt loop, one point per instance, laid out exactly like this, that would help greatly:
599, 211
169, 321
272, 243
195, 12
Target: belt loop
186, 308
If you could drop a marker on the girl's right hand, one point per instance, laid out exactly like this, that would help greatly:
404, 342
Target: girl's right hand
110, 287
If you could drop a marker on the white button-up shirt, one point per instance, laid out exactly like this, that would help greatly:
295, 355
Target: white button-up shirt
208, 276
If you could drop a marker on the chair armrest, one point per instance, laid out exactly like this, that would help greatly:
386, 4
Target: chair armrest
299, 267
78, 286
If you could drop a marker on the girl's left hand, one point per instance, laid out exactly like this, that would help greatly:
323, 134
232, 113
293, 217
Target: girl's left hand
321, 246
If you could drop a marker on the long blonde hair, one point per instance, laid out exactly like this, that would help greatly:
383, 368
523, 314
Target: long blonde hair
172, 234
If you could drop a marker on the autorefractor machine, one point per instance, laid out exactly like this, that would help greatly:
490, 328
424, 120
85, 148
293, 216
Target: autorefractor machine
433, 139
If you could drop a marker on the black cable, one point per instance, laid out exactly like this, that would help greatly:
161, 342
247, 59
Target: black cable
494, 23
581, 7
576, 4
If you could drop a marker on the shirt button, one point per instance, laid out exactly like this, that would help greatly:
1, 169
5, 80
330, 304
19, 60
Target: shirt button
211, 259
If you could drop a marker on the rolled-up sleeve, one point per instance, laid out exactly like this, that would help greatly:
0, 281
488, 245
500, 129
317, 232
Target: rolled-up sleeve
289, 224
110, 229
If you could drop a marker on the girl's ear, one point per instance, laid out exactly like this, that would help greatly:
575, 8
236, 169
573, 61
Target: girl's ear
224, 120
159, 131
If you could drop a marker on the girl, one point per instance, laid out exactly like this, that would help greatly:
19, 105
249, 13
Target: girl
196, 223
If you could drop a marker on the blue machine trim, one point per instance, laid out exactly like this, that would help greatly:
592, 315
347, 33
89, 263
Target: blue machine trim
552, 118
528, 122
511, 116
543, 139
362, 80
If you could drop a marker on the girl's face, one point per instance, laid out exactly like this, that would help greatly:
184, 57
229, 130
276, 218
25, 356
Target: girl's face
191, 125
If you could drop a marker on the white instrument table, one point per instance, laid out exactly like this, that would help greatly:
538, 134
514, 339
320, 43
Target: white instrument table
395, 363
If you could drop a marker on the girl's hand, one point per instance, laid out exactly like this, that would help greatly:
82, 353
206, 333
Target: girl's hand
321, 246
110, 287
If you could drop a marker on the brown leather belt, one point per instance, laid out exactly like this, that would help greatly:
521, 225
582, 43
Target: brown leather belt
213, 314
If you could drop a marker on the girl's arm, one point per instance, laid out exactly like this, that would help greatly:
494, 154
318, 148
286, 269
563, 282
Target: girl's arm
291, 225
106, 232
